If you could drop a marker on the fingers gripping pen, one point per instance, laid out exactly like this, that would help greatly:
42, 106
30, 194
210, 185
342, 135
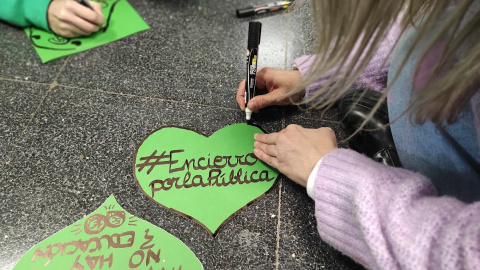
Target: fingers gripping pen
254, 32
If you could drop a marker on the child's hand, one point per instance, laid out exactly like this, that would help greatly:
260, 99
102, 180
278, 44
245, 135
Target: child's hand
271, 86
69, 19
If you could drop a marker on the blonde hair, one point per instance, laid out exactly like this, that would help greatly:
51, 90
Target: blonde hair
345, 24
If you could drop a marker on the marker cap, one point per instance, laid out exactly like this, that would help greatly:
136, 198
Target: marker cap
246, 12
254, 32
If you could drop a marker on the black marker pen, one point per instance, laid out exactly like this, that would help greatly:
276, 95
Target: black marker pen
254, 31
265, 8
85, 3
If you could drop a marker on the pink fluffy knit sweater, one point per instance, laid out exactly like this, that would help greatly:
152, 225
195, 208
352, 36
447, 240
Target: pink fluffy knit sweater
391, 218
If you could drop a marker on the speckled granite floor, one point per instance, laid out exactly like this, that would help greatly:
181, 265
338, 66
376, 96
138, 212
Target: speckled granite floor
68, 130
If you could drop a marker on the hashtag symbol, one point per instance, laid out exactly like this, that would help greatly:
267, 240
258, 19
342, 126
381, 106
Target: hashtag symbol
152, 161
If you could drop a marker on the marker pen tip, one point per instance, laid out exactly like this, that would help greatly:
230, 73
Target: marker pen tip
248, 114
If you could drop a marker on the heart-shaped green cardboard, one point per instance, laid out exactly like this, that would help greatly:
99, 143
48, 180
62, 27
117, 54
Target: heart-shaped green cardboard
204, 178
110, 238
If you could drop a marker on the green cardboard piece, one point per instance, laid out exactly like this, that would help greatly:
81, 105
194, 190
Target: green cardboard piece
207, 179
121, 20
110, 238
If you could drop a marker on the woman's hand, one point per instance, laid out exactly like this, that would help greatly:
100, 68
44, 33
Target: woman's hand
70, 19
271, 86
295, 150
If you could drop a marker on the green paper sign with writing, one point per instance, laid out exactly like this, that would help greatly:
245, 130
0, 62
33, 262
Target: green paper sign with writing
121, 20
207, 179
110, 238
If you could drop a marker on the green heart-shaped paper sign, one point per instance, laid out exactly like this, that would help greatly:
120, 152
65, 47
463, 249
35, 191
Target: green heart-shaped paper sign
204, 178
110, 238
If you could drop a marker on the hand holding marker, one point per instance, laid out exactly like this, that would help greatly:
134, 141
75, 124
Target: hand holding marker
254, 32
86, 4
265, 8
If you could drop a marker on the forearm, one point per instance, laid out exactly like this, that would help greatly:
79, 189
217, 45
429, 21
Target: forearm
25, 13
390, 218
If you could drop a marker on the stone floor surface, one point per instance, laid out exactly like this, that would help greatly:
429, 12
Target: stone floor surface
69, 128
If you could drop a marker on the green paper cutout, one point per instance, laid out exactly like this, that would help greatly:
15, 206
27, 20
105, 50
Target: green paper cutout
110, 238
121, 20
211, 186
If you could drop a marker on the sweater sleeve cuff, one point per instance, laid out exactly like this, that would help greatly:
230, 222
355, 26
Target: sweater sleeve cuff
303, 64
335, 196
34, 9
